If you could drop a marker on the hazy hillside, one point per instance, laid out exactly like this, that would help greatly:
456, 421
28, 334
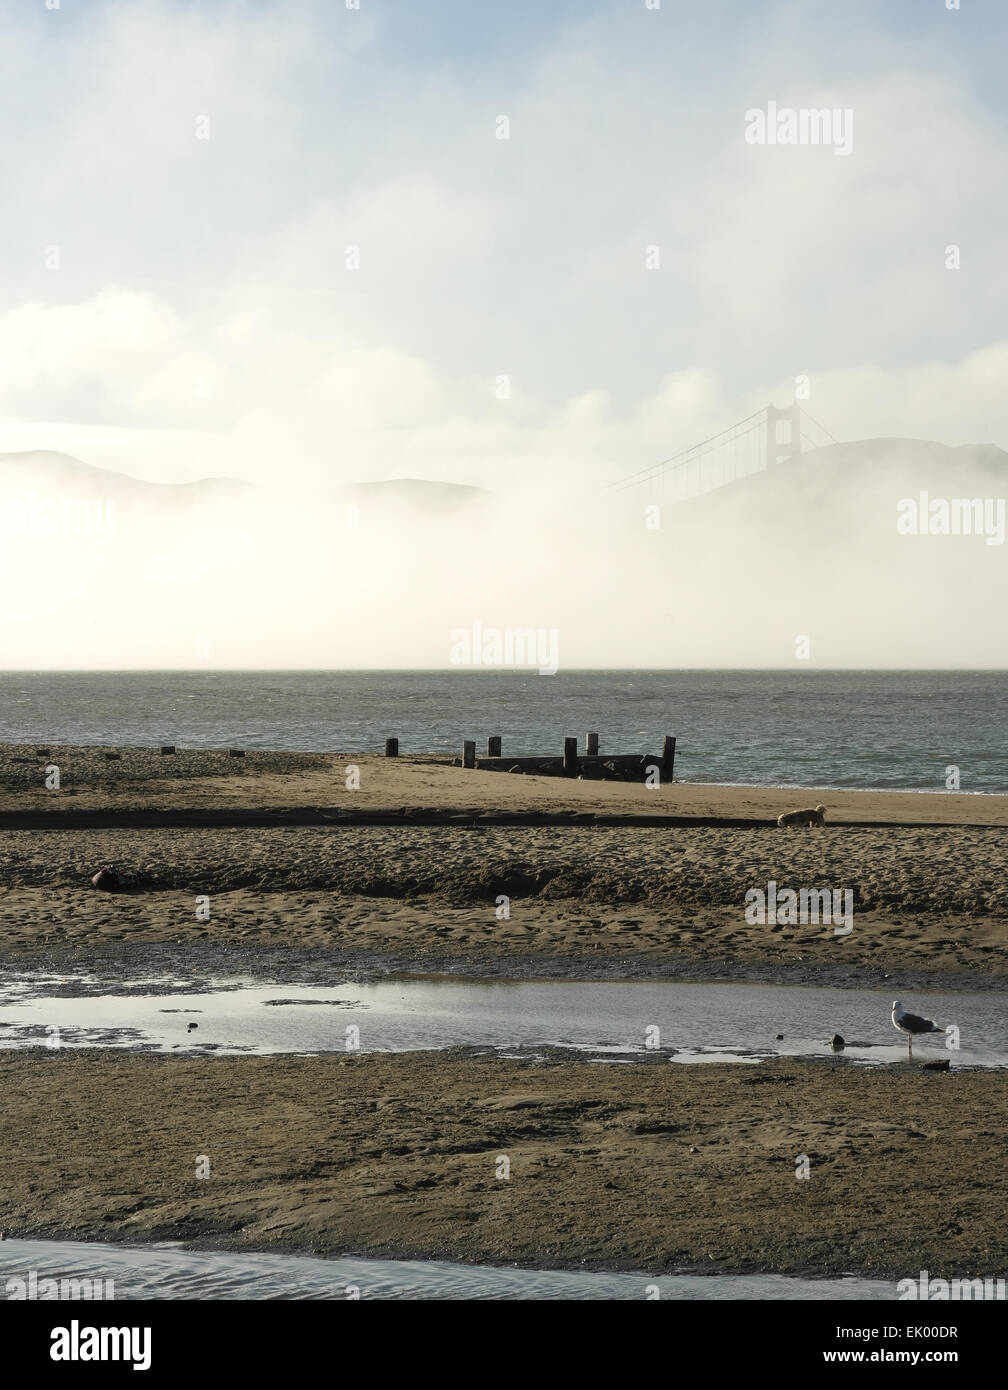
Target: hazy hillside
111, 571
53, 477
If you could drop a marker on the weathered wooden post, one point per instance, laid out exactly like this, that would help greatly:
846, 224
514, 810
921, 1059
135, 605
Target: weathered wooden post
570, 757
591, 745
469, 753
494, 746
167, 750
667, 757
391, 748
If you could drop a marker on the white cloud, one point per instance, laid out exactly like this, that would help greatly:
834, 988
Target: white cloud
204, 321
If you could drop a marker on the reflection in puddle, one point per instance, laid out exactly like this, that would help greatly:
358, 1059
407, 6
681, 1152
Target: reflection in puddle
611, 1020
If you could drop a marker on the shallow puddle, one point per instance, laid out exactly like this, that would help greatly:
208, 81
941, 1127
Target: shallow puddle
169, 1272
614, 1021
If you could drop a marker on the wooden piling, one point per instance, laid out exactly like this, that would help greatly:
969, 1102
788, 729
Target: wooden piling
167, 750
591, 745
494, 746
236, 752
667, 757
570, 757
469, 753
391, 748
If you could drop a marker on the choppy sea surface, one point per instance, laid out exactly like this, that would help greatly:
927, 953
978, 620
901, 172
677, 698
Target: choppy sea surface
861, 729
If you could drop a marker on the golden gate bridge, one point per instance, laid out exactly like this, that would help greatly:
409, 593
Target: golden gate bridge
766, 439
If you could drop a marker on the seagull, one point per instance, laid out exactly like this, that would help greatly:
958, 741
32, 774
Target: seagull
912, 1024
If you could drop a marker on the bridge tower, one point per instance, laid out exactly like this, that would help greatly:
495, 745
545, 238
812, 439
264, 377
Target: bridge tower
783, 450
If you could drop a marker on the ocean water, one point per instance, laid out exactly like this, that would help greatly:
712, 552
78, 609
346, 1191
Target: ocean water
861, 729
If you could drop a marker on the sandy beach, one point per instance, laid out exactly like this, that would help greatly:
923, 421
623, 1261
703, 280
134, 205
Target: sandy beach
646, 1166
141, 779
928, 874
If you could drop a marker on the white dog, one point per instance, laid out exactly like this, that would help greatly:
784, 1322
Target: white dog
814, 816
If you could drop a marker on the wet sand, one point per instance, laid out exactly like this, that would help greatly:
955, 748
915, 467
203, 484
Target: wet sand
134, 936
647, 1166
926, 899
